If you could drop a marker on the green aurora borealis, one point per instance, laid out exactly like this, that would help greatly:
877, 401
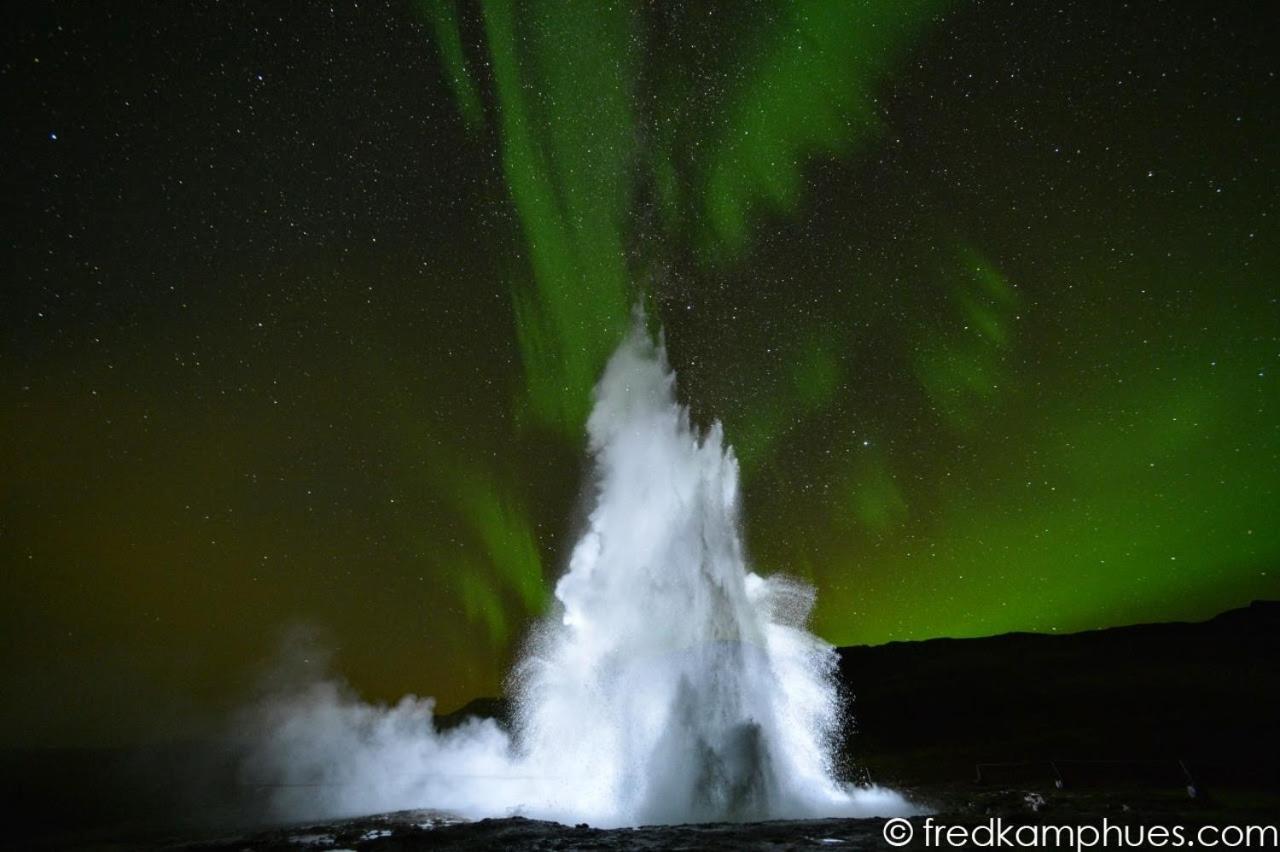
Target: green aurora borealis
301, 323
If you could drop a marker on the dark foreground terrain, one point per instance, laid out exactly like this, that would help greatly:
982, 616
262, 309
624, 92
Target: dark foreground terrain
1123, 723
1138, 810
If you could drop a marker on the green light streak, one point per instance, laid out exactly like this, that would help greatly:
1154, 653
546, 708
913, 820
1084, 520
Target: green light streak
443, 17
877, 501
808, 385
563, 79
496, 571
961, 361
506, 538
802, 88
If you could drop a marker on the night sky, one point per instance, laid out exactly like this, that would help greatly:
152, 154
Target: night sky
303, 303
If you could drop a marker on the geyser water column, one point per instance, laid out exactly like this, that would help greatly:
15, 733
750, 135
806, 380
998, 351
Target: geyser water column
669, 685
675, 685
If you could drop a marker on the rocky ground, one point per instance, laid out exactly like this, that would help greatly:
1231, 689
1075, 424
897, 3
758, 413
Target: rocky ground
967, 805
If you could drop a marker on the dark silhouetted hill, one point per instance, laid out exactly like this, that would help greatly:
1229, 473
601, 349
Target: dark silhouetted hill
1205, 693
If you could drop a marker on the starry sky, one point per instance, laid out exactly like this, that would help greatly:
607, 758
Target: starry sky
303, 304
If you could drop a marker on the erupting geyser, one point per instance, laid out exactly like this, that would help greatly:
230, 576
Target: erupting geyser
676, 685
670, 685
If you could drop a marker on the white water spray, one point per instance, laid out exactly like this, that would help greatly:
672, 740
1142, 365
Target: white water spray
672, 685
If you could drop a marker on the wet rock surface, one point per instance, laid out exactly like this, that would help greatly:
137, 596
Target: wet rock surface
961, 806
